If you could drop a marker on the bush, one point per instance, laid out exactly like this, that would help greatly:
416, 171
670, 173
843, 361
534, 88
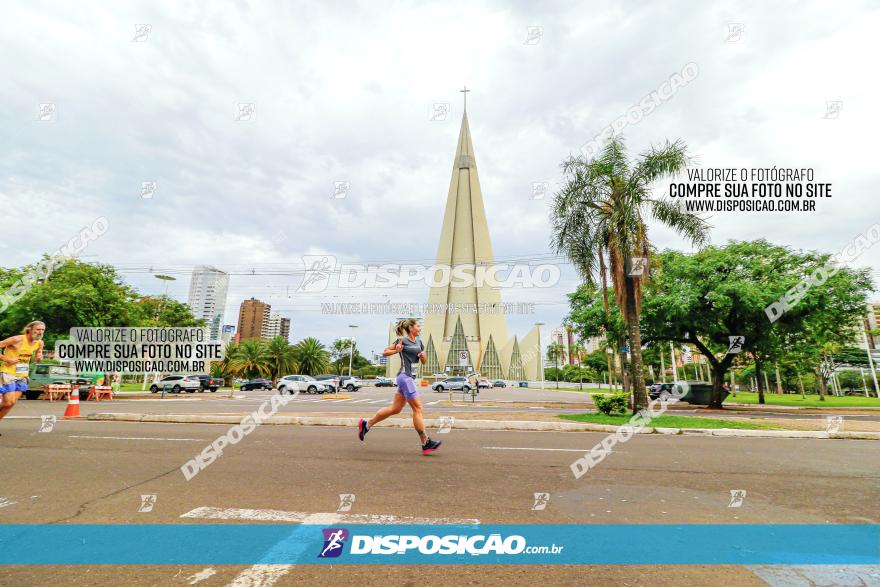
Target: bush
610, 403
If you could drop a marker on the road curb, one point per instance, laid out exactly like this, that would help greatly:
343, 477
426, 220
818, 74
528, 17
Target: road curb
534, 426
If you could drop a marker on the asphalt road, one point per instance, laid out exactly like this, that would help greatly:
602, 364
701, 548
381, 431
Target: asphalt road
369, 399
96, 472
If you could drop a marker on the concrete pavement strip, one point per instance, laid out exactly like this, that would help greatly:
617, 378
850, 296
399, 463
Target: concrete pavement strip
463, 424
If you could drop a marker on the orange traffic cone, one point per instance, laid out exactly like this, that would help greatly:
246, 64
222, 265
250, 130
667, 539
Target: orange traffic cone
72, 410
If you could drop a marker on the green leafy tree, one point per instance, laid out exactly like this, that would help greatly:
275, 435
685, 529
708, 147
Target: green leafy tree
85, 294
74, 294
339, 354
593, 314
705, 298
601, 212
164, 311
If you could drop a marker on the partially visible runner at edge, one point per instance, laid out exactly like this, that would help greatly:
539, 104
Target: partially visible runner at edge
15, 363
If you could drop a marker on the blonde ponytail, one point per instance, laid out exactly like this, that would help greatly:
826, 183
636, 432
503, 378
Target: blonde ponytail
404, 325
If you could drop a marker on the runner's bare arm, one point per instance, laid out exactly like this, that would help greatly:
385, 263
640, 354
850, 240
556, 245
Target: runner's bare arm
393, 348
11, 341
39, 353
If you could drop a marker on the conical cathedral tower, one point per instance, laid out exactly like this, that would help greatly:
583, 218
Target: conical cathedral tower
464, 317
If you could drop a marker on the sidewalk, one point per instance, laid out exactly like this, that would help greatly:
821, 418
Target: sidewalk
477, 421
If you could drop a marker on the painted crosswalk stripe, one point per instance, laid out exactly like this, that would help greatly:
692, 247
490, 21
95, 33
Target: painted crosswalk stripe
583, 450
212, 513
137, 438
265, 575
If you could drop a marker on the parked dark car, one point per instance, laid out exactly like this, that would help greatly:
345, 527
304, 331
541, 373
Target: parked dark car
209, 383
256, 384
499, 383
656, 390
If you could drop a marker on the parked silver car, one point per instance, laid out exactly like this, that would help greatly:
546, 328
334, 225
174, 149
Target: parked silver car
301, 383
453, 383
177, 383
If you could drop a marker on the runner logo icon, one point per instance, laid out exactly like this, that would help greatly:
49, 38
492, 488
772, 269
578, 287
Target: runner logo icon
334, 540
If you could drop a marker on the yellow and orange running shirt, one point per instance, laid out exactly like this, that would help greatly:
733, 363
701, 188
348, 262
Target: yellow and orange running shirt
23, 352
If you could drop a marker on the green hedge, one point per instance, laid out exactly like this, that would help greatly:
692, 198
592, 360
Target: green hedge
610, 403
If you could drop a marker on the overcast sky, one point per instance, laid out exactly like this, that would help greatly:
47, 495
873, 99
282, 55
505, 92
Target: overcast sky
346, 94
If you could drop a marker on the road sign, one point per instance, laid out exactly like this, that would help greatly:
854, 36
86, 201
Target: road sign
463, 359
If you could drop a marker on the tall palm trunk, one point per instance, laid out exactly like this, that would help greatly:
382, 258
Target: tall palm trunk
640, 395
606, 303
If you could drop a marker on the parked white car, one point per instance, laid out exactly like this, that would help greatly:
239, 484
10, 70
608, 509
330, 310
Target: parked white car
177, 383
301, 383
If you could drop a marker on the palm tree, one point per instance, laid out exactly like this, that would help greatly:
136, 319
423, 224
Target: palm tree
600, 212
586, 247
250, 359
313, 359
282, 358
554, 352
224, 368
579, 351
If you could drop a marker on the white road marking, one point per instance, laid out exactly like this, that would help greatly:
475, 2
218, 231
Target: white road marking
6, 502
379, 401
212, 513
264, 575
434, 403
791, 575
260, 575
201, 575
532, 448
138, 438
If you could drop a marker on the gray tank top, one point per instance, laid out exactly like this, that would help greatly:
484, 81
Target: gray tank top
409, 356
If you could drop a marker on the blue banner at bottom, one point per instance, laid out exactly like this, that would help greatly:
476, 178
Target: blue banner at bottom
247, 544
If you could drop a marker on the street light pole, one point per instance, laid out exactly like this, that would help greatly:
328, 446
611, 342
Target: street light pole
166, 279
540, 354
351, 348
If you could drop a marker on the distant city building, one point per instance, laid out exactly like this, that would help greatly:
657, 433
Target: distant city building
276, 325
872, 322
253, 317
594, 343
207, 296
565, 337
228, 333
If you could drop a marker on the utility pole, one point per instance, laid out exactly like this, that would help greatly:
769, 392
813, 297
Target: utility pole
871, 363
539, 325
662, 366
672, 360
350, 350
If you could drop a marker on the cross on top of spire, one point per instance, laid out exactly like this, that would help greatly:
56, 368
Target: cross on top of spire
464, 91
